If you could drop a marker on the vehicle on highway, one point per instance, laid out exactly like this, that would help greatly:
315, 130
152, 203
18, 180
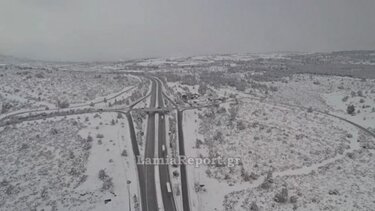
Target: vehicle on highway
169, 190
163, 149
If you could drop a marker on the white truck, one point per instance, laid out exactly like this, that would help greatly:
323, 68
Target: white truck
169, 189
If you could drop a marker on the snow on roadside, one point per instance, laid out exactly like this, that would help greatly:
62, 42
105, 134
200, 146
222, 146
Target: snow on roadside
172, 137
214, 190
113, 154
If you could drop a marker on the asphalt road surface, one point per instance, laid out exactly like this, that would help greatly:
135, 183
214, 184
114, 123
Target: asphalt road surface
148, 201
149, 194
146, 173
168, 200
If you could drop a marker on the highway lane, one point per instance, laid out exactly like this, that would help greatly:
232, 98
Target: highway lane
146, 173
168, 199
184, 182
149, 196
140, 168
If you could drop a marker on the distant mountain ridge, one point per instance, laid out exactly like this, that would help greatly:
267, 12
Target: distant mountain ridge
354, 54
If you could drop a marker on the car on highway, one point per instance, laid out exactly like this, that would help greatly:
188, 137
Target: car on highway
163, 149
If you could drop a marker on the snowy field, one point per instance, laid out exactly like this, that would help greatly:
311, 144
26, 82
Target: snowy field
47, 87
296, 153
64, 164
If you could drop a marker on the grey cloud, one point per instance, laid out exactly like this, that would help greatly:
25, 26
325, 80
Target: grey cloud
123, 29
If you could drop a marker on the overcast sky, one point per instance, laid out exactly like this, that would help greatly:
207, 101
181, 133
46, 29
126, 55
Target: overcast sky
123, 29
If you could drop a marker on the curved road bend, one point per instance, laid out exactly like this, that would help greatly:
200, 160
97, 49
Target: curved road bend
69, 108
352, 123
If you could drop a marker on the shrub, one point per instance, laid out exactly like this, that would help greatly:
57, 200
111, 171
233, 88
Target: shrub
293, 199
241, 125
240, 86
267, 181
4, 183
107, 184
87, 146
62, 103
233, 112
282, 197
245, 175
124, 153
218, 136
254, 206
102, 175
24, 146
221, 110
360, 93
39, 75
89, 138
175, 173
350, 109
273, 88
5, 107
10, 190
202, 89
198, 143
